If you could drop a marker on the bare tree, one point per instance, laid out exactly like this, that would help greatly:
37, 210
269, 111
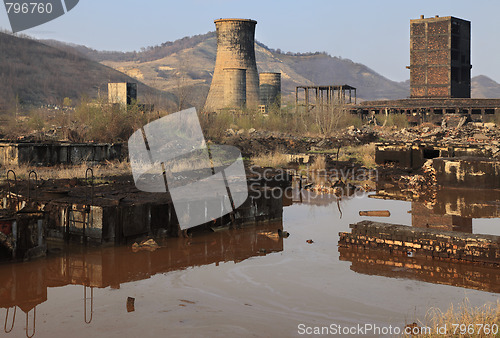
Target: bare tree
182, 89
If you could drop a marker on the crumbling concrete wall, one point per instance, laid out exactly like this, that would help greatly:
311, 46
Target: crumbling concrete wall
120, 223
414, 155
401, 239
57, 153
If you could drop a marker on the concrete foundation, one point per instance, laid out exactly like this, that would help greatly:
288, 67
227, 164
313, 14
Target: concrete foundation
57, 153
122, 222
118, 213
430, 243
414, 155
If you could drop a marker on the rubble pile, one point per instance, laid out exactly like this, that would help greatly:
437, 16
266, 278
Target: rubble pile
253, 143
470, 133
421, 186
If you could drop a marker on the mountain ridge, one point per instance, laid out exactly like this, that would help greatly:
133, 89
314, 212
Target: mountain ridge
34, 73
179, 71
156, 64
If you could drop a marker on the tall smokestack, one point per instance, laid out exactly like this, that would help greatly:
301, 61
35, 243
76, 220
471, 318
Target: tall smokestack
235, 49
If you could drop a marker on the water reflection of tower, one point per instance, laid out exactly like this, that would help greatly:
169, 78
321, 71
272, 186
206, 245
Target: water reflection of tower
423, 217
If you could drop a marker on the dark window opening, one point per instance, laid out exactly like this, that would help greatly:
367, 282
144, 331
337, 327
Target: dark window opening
476, 111
489, 111
450, 111
438, 111
430, 153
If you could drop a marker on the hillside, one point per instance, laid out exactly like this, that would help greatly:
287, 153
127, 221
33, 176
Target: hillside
34, 73
180, 70
190, 62
482, 87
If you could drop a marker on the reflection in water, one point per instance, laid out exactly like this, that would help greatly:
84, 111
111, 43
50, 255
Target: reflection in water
451, 209
380, 263
425, 217
24, 285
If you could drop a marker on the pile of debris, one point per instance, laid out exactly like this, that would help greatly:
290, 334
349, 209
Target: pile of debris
253, 143
476, 133
421, 186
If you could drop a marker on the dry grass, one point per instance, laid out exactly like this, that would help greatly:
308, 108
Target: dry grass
284, 120
275, 159
391, 120
109, 169
364, 154
319, 163
469, 318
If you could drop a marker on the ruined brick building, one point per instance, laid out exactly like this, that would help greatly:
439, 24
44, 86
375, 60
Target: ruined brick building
440, 75
440, 58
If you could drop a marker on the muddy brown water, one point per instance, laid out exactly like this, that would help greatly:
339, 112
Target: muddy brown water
243, 282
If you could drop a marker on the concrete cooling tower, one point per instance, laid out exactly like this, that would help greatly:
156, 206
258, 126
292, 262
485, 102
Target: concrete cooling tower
270, 89
235, 50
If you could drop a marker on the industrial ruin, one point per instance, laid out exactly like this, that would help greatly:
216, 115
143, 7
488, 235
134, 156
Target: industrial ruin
122, 93
440, 77
235, 82
324, 98
439, 58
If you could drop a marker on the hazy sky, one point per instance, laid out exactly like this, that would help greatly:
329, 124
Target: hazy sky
372, 32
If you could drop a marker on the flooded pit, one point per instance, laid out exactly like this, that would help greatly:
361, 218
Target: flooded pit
246, 281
